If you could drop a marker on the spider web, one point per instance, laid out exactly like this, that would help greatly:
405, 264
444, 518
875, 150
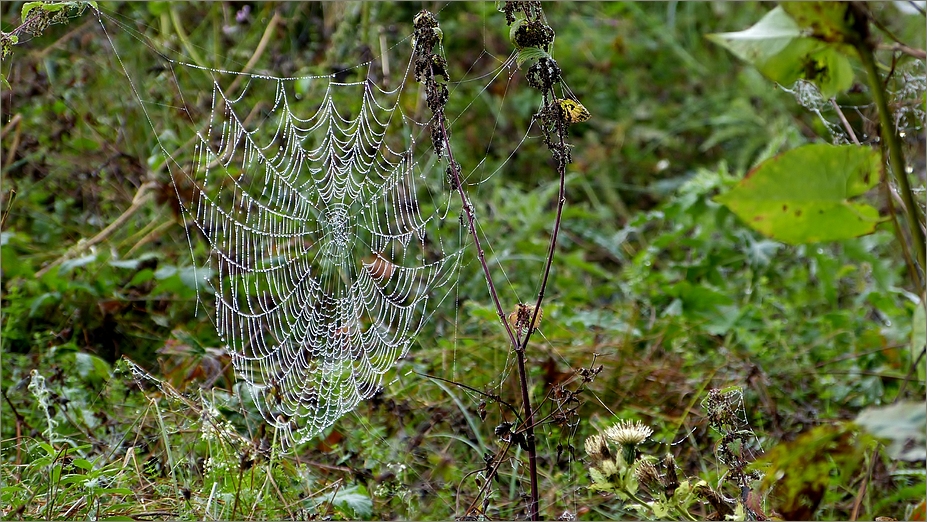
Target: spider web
323, 262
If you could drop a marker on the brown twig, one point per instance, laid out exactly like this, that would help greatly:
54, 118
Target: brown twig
16, 123
860, 494
258, 51
920, 54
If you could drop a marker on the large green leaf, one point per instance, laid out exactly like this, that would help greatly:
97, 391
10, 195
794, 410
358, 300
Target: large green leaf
803, 196
777, 48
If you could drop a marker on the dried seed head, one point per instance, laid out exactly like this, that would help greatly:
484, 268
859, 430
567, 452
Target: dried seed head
670, 479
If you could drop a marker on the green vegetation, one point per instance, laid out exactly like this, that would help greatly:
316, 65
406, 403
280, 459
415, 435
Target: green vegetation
700, 352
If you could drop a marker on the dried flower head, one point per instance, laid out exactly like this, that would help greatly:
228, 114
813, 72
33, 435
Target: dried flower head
627, 432
597, 447
648, 475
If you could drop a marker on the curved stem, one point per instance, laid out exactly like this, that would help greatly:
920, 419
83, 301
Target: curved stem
185, 40
896, 161
471, 221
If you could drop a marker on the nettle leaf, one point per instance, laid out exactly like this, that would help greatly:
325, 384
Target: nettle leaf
777, 47
803, 196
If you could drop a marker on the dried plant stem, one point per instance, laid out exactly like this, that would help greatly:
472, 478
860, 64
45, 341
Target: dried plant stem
519, 349
471, 221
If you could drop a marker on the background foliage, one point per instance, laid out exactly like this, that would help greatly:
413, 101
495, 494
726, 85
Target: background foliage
653, 280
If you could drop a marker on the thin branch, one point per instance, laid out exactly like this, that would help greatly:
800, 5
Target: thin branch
843, 120
474, 390
920, 54
519, 351
471, 221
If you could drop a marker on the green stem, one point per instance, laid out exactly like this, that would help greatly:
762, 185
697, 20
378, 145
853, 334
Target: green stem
891, 140
634, 497
685, 514
185, 40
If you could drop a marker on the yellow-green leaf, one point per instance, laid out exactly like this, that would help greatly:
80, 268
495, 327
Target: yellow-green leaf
804, 195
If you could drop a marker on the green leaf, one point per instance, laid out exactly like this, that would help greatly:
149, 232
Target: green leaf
530, 53
904, 424
131, 264
82, 464
71, 264
827, 21
660, 510
803, 196
763, 41
27, 7
142, 276
814, 61
776, 47
165, 271
158, 8
40, 301
117, 491
91, 367
195, 278
49, 450
356, 499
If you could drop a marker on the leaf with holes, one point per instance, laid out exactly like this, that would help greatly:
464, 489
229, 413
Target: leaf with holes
803, 196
